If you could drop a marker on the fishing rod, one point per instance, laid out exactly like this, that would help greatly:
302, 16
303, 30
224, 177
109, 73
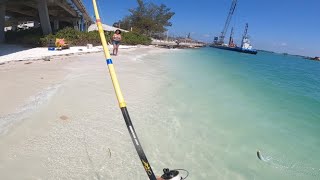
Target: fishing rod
168, 174
120, 98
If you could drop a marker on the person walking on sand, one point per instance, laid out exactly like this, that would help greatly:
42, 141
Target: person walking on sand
116, 38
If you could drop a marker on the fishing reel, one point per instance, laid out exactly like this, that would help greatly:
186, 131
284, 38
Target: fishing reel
173, 174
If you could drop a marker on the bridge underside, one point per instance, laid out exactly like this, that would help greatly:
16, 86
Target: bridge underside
52, 14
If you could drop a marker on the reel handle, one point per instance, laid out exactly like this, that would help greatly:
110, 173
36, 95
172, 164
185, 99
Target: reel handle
171, 174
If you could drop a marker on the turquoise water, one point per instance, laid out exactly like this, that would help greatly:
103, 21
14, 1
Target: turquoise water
205, 110
218, 108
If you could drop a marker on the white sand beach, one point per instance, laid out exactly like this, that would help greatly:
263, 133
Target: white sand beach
10, 53
60, 119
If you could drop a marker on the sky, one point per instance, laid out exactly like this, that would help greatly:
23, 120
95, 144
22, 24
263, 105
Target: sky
285, 26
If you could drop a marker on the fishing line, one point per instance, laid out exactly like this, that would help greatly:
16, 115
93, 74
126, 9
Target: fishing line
168, 174
295, 168
89, 157
184, 171
120, 98
99, 7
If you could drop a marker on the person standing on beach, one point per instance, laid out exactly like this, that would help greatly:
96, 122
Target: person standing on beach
116, 38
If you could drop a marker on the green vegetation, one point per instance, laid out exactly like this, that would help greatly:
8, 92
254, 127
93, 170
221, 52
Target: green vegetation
133, 38
77, 38
73, 37
27, 37
148, 19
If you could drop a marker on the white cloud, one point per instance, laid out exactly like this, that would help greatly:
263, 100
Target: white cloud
283, 44
206, 35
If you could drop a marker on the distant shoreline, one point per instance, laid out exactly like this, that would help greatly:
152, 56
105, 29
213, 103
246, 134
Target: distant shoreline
287, 54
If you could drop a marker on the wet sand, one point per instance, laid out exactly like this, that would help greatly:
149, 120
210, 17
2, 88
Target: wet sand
60, 119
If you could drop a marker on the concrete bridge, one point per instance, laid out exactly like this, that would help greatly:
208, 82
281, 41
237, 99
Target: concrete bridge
52, 14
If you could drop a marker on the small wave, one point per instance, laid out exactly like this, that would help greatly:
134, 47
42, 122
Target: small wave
26, 110
139, 57
291, 167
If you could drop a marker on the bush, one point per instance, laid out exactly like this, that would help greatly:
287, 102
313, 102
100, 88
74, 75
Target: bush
68, 33
73, 37
85, 38
28, 36
33, 40
45, 40
77, 38
133, 38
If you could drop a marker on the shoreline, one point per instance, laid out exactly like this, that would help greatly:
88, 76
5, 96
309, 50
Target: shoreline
14, 53
42, 75
79, 120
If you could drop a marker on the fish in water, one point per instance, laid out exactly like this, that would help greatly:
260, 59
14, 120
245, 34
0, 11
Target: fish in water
259, 155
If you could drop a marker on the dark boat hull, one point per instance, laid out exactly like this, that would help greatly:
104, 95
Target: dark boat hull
236, 49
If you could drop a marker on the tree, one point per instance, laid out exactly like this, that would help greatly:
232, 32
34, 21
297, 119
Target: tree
148, 18
116, 24
125, 23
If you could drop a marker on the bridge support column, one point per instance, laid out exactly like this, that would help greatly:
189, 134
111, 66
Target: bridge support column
82, 24
75, 24
56, 25
85, 27
44, 17
2, 21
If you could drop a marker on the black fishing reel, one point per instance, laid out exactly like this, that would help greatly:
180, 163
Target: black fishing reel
173, 174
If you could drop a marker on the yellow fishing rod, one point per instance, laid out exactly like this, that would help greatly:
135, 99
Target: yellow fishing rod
120, 98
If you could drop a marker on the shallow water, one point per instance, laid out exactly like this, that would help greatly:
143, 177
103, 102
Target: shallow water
218, 108
205, 110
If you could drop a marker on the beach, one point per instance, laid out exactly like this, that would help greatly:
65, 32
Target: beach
60, 119
204, 110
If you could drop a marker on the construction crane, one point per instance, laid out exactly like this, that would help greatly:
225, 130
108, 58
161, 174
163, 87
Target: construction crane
231, 43
225, 29
245, 36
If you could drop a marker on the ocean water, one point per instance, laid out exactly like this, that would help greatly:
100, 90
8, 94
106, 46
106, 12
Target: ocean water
204, 110
217, 108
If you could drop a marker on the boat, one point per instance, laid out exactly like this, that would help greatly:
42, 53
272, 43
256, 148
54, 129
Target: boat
245, 46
